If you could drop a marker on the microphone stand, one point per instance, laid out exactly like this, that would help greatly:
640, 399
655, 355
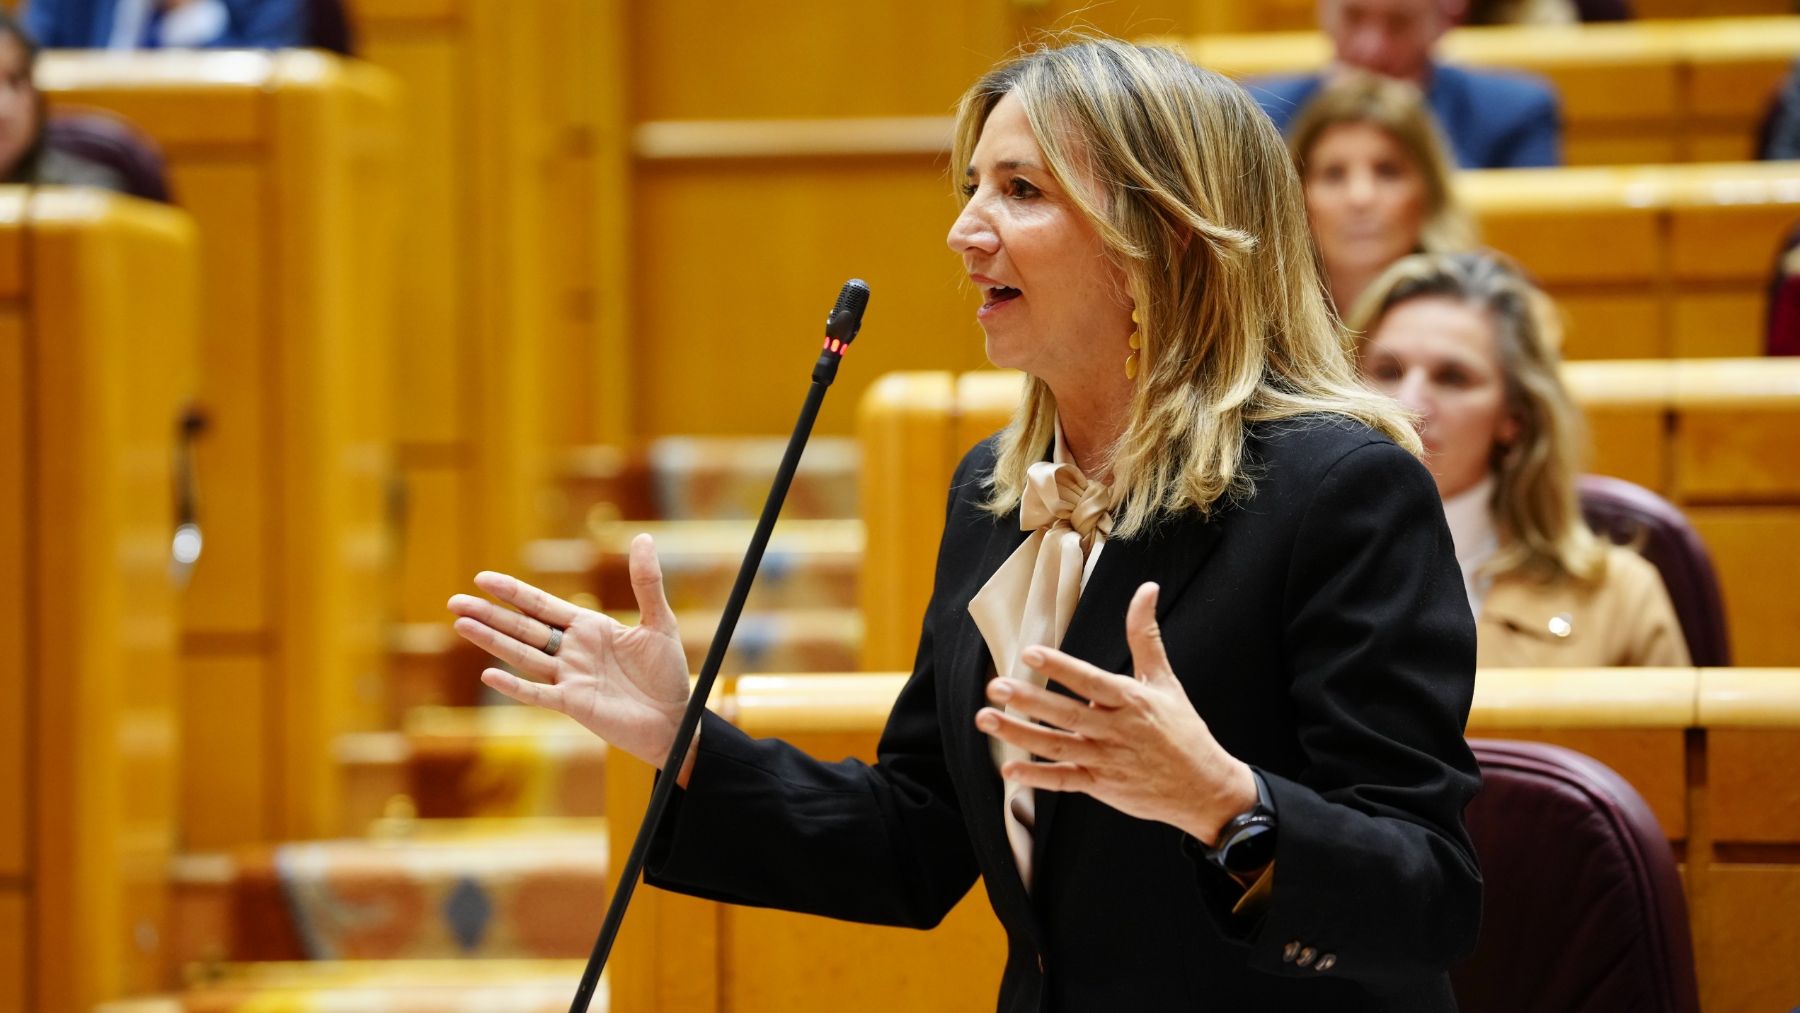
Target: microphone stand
841, 328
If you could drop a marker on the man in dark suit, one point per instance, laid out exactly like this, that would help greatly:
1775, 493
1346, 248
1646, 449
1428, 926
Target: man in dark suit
1493, 119
173, 24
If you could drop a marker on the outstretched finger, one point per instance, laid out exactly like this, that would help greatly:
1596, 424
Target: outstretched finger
523, 690
1034, 739
654, 612
1083, 679
516, 625
534, 602
1148, 657
520, 656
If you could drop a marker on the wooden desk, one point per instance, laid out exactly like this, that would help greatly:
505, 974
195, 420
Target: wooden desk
98, 358
1713, 436
286, 162
1632, 91
1676, 734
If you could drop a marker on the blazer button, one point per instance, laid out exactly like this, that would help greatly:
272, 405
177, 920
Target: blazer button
1306, 957
1289, 951
1326, 963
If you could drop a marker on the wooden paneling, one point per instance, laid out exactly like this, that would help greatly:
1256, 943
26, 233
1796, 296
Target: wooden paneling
1707, 324
288, 170
1748, 805
232, 593
111, 326
1745, 938
868, 59
1630, 92
436, 328
225, 802
15, 675
904, 425
715, 325
1727, 455
1675, 734
15, 957
1753, 550
436, 515
1713, 435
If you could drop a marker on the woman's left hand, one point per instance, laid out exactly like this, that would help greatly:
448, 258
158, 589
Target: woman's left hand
1136, 744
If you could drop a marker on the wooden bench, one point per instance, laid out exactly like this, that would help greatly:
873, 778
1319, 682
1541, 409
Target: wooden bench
1714, 436
1654, 261
1633, 91
98, 365
1711, 749
286, 161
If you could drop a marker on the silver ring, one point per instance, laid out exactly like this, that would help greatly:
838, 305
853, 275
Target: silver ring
555, 641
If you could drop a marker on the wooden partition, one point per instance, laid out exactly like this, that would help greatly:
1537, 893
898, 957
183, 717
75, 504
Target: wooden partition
1655, 261
495, 283
97, 368
1715, 436
1663, 261
286, 162
1698, 743
1634, 91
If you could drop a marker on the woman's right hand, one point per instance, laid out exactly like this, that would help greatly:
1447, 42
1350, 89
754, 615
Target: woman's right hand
627, 684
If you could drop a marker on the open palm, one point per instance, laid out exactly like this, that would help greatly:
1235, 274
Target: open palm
626, 684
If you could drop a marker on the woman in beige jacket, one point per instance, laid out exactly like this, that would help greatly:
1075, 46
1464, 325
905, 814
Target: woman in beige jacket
1470, 346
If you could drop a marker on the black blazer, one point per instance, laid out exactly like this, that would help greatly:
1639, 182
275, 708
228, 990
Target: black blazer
1322, 631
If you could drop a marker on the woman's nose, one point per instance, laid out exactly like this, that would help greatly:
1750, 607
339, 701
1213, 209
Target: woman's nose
971, 233
1361, 187
1415, 393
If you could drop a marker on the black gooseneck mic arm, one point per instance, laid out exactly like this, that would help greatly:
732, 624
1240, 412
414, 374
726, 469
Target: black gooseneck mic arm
841, 328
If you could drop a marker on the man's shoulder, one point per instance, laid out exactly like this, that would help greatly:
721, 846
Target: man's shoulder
1282, 95
1496, 89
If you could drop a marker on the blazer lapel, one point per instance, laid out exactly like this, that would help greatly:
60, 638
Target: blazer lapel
966, 690
1172, 557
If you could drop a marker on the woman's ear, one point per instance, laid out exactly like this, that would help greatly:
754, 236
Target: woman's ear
1508, 433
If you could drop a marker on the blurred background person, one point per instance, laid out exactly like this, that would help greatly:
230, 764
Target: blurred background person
26, 155
1470, 346
1377, 181
167, 24
1494, 120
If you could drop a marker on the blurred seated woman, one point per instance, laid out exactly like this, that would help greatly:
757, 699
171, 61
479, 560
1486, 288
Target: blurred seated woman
25, 155
1377, 175
1470, 346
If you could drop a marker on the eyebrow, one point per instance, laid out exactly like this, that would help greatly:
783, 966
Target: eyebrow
1008, 164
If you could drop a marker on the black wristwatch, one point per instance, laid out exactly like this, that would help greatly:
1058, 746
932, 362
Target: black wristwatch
1247, 841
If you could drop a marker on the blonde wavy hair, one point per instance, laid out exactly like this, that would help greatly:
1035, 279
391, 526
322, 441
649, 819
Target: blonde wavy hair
1194, 197
1535, 507
1397, 108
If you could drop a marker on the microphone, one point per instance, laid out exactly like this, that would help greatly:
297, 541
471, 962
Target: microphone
841, 328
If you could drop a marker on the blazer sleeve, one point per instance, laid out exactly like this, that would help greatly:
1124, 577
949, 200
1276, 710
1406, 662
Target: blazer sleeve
1535, 140
1373, 866
764, 824
1641, 607
264, 24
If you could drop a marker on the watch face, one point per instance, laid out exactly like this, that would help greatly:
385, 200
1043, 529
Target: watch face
1250, 848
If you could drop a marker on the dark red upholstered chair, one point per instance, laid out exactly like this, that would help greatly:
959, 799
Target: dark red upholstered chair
114, 143
1781, 324
328, 27
1582, 910
1633, 515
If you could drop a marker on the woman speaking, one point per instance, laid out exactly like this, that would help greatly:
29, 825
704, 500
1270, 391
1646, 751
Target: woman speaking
1190, 692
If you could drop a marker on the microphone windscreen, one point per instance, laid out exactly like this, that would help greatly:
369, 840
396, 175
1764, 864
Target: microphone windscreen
846, 317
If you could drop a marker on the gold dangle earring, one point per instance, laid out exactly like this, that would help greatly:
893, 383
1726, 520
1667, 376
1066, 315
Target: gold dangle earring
1136, 342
